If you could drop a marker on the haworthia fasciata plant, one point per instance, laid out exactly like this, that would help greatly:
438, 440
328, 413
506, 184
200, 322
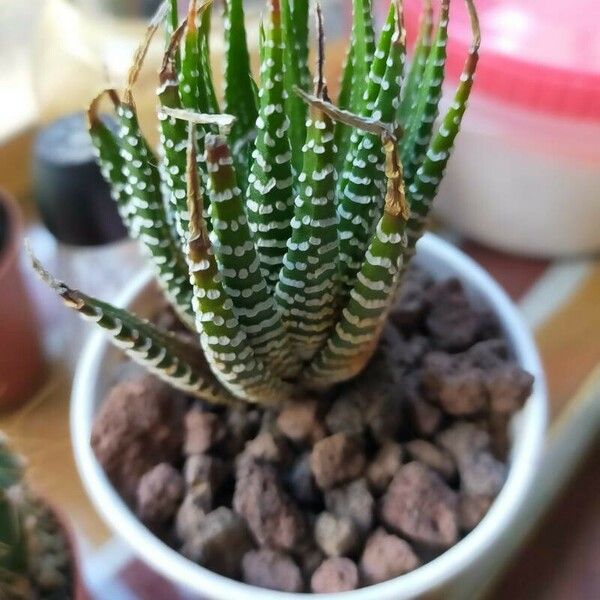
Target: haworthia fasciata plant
294, 218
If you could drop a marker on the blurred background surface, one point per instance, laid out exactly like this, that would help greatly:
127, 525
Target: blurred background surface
522, 196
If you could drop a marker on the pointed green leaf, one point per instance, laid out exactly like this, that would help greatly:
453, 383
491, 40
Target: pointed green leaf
306, 291
354, 339
417, 67
295, 39
173, 144
149, 219
106, 148
240, 98
239, 263
224, 341
420, 123
172, 20
346, 81
173, 360
270, 191
362, 53
423, 189
206, 76
363, 181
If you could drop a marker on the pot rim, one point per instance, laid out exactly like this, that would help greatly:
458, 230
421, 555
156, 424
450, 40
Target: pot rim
525, 455
9, 251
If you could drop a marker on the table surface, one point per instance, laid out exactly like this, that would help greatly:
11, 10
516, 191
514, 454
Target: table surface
561, 561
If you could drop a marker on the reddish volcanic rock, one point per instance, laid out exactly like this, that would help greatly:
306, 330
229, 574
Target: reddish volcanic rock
159, 493
272, 570
202, 431
420, 506
299, 422
220, 542
138, 426
336, 536
384, 466
386, 556
353, 501
337, 459
431, 455
274, 519
335, 575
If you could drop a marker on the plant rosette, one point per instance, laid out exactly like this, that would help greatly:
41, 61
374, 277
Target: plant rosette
443, 576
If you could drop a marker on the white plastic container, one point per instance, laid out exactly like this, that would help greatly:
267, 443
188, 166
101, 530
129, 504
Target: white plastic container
525, 173
448, 576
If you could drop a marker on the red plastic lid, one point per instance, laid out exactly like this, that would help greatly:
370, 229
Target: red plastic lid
542, 55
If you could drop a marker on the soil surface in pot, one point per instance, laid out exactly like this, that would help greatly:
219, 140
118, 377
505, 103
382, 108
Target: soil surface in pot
330, 493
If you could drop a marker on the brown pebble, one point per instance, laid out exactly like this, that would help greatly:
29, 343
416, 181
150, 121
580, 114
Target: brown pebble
452, 322
267, 447
159, 492
449, 381
273, 518
219, 543
410, 304
354, 501
471, 509
386, 556
196, 504
299, 422
481, 474
346, 415
242, 424
431, 455
138, 426
508, 387
337, 459
424, 416
335, 575
202, 431
201, 468
384, 466
404, 352
336, 536
272, 570
420, 506
488, 355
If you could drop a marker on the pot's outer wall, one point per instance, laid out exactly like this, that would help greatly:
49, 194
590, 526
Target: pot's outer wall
21, 361
446, 577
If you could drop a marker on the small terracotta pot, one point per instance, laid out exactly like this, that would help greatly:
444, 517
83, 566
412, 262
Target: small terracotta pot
21, 361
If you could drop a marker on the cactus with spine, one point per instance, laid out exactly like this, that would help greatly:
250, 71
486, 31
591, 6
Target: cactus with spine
279, 223
34, 555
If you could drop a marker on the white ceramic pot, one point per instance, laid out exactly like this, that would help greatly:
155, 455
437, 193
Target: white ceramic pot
443, 577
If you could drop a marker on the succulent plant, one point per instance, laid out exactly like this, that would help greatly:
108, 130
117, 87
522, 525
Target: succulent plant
279, 224
34, 555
